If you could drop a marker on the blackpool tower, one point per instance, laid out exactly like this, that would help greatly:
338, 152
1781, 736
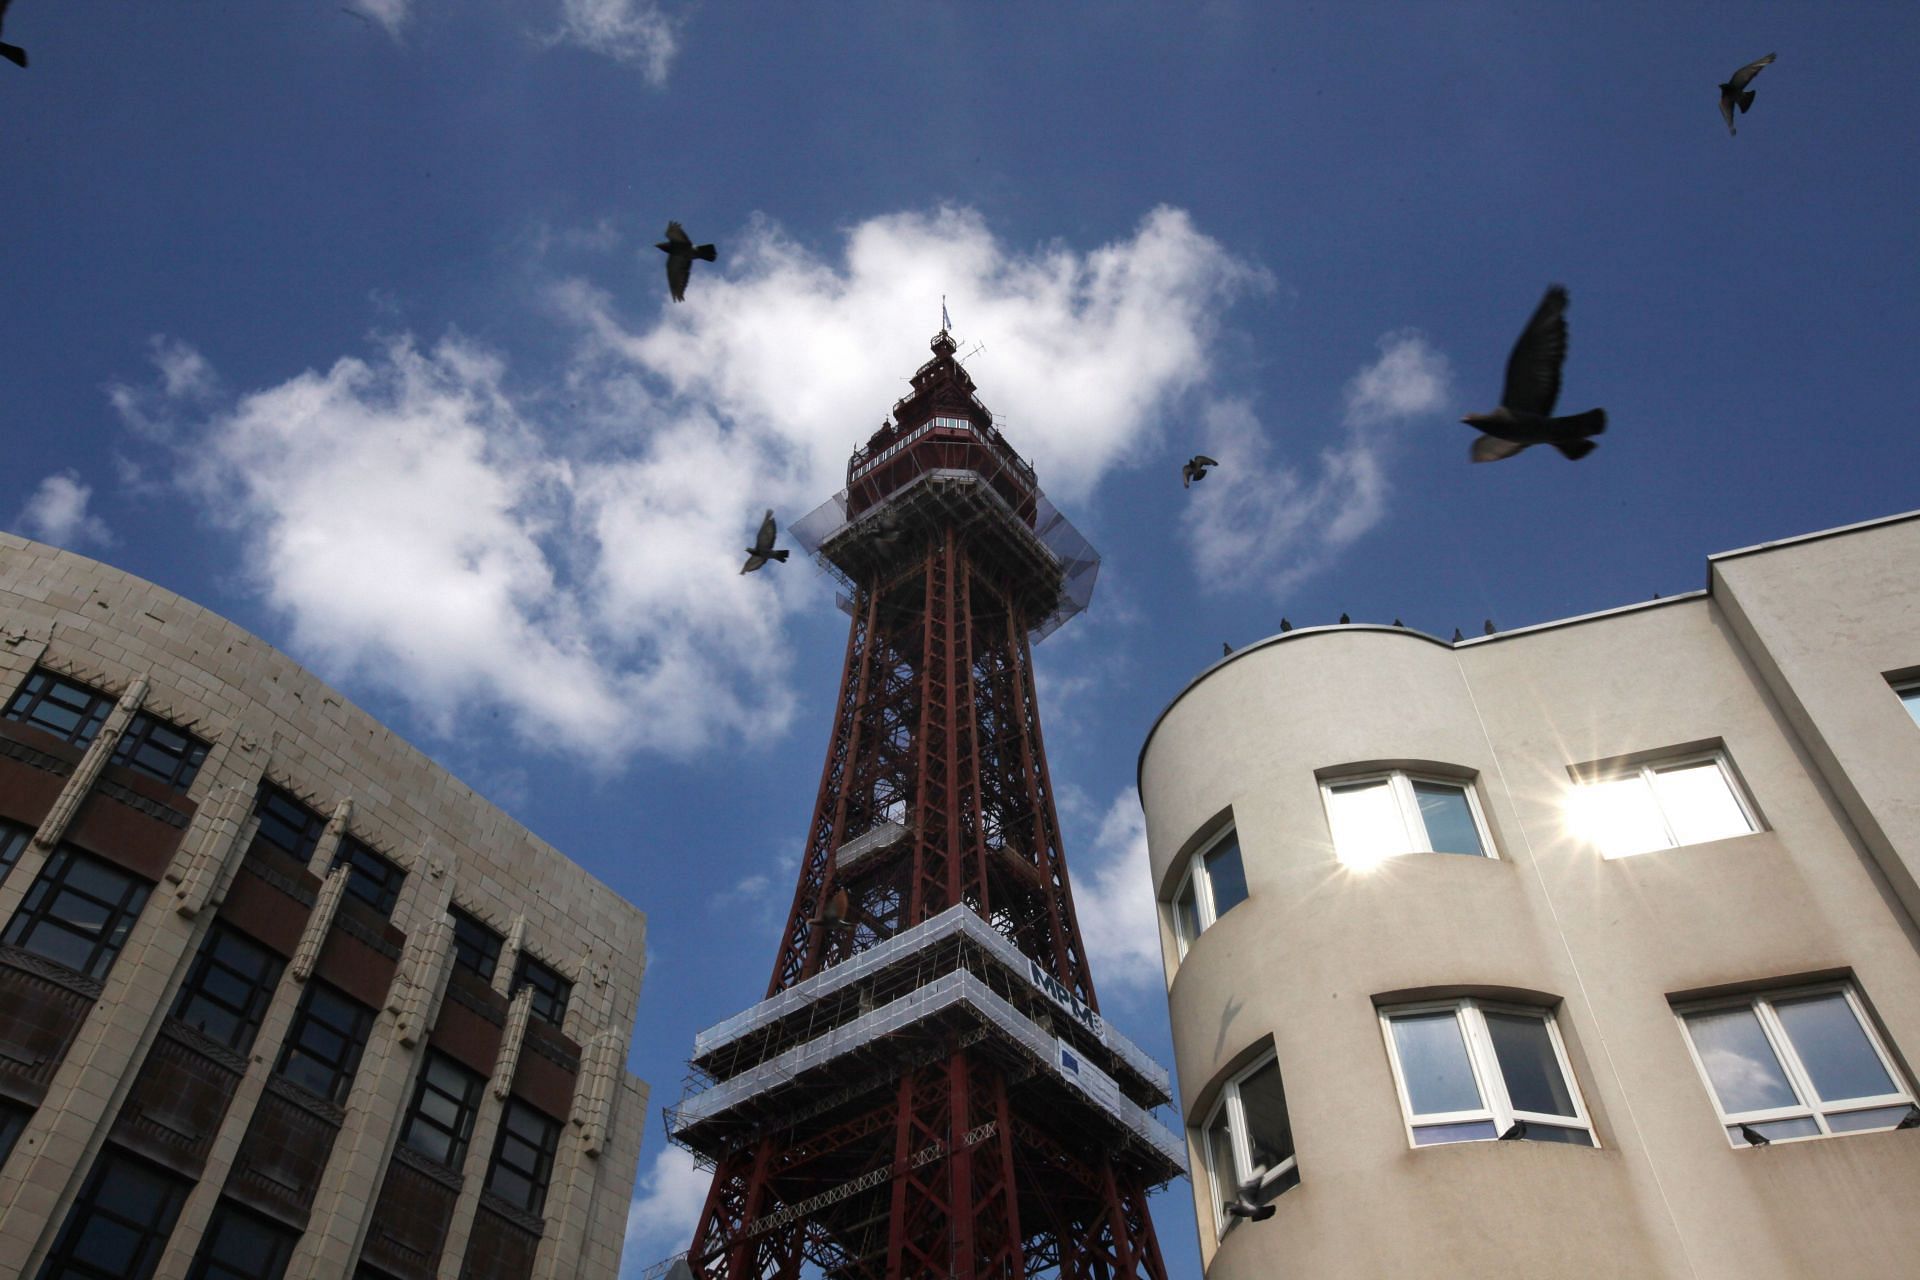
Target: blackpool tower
929, 1089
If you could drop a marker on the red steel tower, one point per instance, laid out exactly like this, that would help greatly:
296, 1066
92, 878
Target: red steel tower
929, 1088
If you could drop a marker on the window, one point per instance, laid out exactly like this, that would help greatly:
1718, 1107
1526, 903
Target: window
1469, 1070
119, 1225
1910, 699
161, 751
1795, 1064
444, 1102
1247, 1141
475, 946
1662, 805
13, 1122
1390, 814
242, 1245
13, 843
286, 824
67, 709
371, 878
550, 990
323, 1048
227, 991
1215, 884
78, 912
523, 1157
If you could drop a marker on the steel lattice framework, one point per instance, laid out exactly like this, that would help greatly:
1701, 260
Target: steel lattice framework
938, 1145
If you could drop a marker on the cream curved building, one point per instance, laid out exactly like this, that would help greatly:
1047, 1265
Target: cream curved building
1634, 891
280, 997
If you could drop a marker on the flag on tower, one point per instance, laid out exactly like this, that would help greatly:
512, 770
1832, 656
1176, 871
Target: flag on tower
945, 324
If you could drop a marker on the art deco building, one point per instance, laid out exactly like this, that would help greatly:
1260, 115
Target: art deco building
1634, 891
278, 995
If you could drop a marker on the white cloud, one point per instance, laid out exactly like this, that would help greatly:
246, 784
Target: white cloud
665, 1209
1113, 901
570, 554
57, 513
631, 31
1261, 520
391, 14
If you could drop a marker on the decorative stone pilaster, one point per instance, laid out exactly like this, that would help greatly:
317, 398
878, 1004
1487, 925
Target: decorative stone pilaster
601, 1063
423, 970
511, 1041
328, 845
325, 904
225, 828
81, 780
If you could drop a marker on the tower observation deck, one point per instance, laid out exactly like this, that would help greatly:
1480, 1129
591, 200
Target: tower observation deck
929, 1088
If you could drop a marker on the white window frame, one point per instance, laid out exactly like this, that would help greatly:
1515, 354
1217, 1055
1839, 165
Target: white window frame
1761, 1002
1244, 1182
1905, 690
1645, 771
1412, 825
1202, 888
1469, 1015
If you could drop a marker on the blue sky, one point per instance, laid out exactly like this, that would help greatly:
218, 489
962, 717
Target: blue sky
350, 328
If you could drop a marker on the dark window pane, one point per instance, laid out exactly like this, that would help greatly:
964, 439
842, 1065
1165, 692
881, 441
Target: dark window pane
323, 1047
13, 842
286, 824
1528, 1064
523, 1156
1449, 818
1226, 877
13, 1122
1186, 910
371, 878
159, 750
65, 708
1269, 1135
1833, 1048
227, 991
550, 990
240, 1245
81, 930
475, 946
119, 1226
441, 1118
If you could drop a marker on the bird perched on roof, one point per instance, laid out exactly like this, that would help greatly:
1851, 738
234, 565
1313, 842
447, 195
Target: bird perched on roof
1195, 469
762, 549
681, 251
1285, 625
11, 52
1490, 628
1533, 384
1735, 92
1457, 637
1226, 650
1754, 1137
1515, 1132
1344, 619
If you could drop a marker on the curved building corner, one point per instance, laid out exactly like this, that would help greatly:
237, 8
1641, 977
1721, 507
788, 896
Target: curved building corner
279, 996
1586, 949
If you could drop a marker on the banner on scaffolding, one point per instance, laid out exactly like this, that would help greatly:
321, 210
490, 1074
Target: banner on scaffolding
1065, 997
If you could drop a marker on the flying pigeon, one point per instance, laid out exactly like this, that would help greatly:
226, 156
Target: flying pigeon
1252, 1212
835, 911
1533, 384
1195, 469
681, 251
1735, 92
11, 52
762, 549
1754, 1137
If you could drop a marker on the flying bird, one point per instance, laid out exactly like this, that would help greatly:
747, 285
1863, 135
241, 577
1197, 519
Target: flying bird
681, 251
1735, 92
1754, 1137
1195, 469
11, 52
835, 911
762, 549
1533, 384
1252, 1212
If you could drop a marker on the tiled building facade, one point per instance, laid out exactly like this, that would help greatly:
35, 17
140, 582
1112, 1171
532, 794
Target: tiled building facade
1586, 949
280, 997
